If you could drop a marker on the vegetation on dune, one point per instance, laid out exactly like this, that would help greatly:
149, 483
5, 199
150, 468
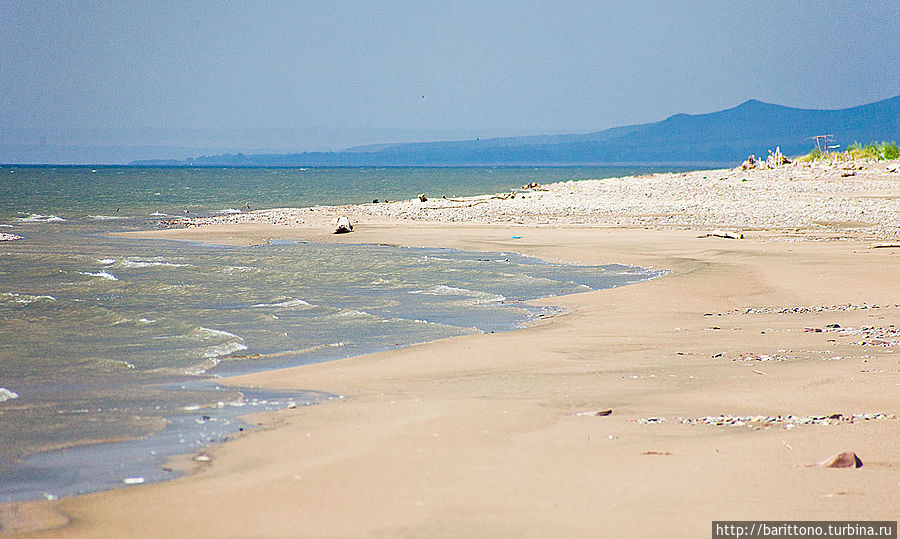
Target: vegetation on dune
875, 150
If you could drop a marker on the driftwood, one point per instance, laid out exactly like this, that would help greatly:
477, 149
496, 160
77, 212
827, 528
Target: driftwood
342, 225
723, 234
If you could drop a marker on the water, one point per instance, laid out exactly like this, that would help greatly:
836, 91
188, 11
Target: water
104, 339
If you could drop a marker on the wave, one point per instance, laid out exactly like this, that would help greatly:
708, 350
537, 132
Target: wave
219, 350
38, 218
477, 295
101, 274
239, 269
228, 211
352, 313
150, 264
284, 302
159, 214
203, 333
107, 261
108, 217
6, 394
25, 299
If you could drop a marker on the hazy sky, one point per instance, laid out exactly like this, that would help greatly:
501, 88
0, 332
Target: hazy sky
395, 70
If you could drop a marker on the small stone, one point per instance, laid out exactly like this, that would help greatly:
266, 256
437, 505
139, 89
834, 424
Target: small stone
846, 459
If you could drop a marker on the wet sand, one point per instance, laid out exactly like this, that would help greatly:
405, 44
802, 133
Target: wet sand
497, 435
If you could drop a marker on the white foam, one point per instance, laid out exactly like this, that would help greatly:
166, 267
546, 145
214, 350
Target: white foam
158, 213
352, 313
6, 226
150, 264
6, 394
240, 269
38, 218
203, 333
229, 210
102, 275
444, 290
287, 302
224, 349
107, 261
107, 217
25, 299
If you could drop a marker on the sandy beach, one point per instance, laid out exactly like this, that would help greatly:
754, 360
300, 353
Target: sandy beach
751, 359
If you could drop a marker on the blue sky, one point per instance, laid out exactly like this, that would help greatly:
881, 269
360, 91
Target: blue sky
313, 75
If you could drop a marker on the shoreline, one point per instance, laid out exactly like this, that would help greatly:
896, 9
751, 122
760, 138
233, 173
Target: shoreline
485, 435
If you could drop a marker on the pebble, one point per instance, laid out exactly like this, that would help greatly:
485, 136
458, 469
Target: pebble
785, 198
871, 335
761, 421
845, 307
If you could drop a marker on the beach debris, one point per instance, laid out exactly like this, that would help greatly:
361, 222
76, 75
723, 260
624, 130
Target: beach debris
776, 158
594, 413
50, 497
202, 457
761, 373
6, 394
515, 237
422, 197
723, 234
532, 185
342, 225
133, 480
885, 246
845, 459
763, 357
9, 237
785, 421
750, 163
660, 453
869, 335
843, 307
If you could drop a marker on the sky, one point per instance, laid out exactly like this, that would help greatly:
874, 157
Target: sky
196, 76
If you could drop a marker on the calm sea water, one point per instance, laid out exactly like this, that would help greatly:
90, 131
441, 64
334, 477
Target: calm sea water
104, 339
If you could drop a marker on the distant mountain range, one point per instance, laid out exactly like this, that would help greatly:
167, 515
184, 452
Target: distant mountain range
726, 136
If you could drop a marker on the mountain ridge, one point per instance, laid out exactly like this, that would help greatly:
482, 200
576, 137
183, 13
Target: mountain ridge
723, 136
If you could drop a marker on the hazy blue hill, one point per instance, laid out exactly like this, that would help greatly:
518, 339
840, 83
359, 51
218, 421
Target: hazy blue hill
726, 136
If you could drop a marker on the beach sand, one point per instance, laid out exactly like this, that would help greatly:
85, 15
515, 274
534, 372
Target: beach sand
497, 435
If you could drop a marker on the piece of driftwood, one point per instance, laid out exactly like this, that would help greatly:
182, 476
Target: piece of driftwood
342, 225
723, 234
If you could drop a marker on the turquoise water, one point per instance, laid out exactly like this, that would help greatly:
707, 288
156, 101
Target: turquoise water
104, 338
79, 191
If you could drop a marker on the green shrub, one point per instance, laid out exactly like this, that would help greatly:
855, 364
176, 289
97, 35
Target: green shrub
875, 150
